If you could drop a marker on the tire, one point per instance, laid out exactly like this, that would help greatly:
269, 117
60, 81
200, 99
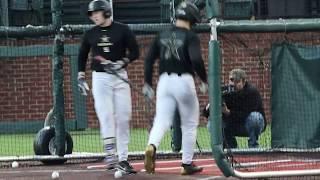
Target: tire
44, 145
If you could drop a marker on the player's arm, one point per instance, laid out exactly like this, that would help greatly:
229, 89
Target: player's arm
150, 59
194, 51
132, 45
83, 53
82, 61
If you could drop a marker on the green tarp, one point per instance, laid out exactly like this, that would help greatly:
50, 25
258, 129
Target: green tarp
295, 96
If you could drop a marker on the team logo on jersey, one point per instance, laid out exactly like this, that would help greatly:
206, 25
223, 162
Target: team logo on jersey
104, 39
105, 43
181, 12
172, 45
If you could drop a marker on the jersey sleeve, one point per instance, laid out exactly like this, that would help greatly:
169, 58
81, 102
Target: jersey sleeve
132, 45
83, 53
150, 59
194, 51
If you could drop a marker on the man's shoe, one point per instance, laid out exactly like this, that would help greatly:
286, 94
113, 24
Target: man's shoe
125, 167
150, 159
188, 169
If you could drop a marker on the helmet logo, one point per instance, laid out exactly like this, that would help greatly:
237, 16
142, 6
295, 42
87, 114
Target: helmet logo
183, 5
189, 12
97, 5
91, 6
181, 12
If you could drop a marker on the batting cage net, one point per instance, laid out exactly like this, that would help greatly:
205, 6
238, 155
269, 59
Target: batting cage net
27, 97
279, 58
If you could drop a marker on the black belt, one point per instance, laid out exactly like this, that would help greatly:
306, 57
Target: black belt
179, 74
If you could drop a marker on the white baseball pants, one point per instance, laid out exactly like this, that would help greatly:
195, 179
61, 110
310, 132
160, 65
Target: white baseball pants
112, 102
177, 91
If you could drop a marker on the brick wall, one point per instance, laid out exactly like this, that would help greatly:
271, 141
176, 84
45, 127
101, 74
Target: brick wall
26, 87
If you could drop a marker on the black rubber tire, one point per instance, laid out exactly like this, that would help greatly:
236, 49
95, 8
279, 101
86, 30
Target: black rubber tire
41, 145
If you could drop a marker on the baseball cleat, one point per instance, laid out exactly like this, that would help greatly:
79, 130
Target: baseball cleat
150, 158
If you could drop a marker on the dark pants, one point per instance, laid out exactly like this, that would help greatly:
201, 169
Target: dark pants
252, 128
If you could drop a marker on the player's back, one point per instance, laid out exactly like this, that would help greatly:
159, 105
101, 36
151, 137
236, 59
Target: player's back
174, 56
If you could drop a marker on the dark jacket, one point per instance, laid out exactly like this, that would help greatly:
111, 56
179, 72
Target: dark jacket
242, 103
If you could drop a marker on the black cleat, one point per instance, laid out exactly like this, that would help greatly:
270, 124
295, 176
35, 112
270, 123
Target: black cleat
150, 159
125, 167
189, 169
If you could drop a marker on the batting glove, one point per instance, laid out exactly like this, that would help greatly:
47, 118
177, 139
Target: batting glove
203, 87
112, 66
206, 111
119, 64
82, 84
148, 91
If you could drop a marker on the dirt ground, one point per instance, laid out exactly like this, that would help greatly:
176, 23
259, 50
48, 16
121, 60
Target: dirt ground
166, 170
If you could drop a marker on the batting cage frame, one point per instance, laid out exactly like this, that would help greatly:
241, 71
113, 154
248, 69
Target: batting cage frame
60, 148
60, 49
221, 156
224, 157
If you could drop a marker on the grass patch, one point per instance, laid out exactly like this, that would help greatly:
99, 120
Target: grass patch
89, 141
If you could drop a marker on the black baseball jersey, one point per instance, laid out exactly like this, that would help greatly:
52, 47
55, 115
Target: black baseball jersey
110, 42
179, 52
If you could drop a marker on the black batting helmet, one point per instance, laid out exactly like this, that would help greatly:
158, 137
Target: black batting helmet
100, 5
189, 12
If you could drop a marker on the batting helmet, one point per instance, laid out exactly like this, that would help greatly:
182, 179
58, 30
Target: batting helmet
100, 5
189, 12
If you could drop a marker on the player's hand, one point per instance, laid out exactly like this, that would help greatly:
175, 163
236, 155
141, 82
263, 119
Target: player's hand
113, 66
206, 111
148, 91
103, 61
225, 109
203, 87
82, 84
119, 64
108, 65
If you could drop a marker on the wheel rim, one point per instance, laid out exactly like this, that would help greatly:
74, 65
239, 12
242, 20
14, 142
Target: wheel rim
53, 149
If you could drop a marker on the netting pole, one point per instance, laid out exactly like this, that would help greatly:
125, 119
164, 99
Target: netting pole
172, 12
4, 20
214, 76
215, 129
58, 96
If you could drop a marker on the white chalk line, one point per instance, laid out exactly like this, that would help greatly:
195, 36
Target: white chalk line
158, 162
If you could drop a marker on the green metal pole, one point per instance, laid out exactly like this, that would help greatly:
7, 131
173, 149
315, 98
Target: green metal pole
215, 118
212, 9
270, 25
58, 96
4, 20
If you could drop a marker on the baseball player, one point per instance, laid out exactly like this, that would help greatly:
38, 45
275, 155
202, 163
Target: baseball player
178, 50
109, 40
